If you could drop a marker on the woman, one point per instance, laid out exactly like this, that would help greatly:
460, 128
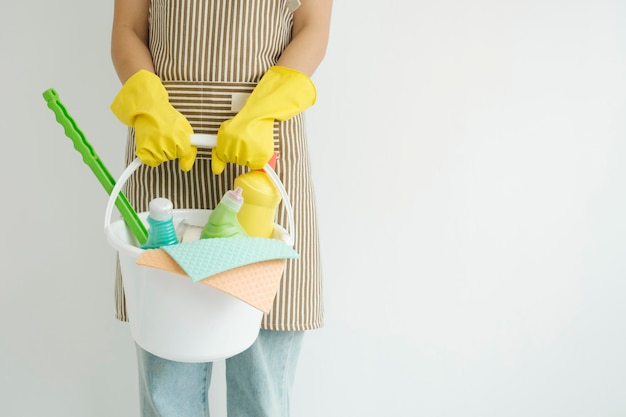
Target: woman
241, 70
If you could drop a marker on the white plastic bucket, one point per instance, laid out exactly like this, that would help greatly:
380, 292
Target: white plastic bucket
170, 315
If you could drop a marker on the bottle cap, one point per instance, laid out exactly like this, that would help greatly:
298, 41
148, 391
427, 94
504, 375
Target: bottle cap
271, 162
233, 199
161, 209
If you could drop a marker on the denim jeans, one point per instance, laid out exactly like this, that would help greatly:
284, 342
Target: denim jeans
258, 380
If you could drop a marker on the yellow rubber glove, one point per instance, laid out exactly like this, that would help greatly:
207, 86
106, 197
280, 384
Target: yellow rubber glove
162, 133
248, 138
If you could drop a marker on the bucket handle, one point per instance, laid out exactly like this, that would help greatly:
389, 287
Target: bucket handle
203, 141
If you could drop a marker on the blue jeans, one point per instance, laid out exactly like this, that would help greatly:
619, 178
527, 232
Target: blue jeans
258, 380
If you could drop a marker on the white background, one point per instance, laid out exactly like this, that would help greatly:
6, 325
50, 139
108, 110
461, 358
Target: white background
469, 167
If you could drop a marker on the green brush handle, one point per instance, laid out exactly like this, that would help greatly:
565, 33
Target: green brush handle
93, 161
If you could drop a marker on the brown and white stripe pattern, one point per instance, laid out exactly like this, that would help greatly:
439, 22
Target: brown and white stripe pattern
209, 53
218, 40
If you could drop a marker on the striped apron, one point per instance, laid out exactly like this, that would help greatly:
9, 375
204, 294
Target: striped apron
210, 54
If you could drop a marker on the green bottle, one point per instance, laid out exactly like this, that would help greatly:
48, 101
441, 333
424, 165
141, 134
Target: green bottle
223, 220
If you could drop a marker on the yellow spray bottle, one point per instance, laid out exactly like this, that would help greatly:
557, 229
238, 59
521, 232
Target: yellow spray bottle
260, 202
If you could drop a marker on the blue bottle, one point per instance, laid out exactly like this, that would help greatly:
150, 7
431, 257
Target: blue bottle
161, 231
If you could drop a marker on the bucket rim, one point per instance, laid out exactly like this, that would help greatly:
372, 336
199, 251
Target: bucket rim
128, 247
121, 245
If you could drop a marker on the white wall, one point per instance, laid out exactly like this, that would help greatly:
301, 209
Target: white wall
468, 159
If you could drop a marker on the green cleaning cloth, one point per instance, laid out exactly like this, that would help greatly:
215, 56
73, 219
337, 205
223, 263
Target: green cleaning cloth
206, 257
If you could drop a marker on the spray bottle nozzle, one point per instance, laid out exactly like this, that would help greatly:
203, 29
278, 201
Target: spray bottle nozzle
271, 162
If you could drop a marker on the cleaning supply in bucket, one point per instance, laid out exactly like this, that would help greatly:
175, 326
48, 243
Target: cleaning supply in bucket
93, 161
260, 202
223, 220
160, 219
187, 232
